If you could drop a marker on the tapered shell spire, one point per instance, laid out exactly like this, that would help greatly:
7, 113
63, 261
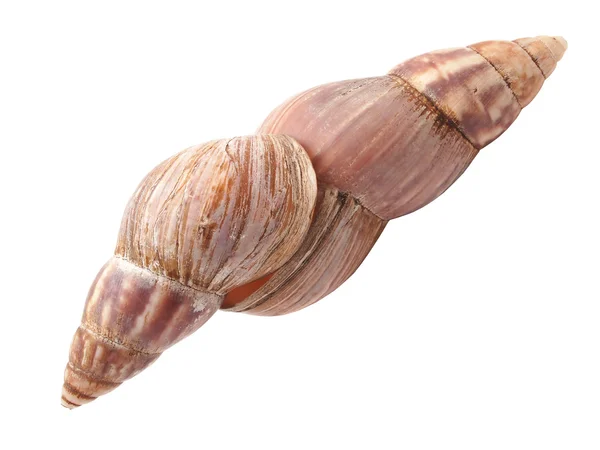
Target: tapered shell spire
205, 221
393, 144
524, 64
482, 88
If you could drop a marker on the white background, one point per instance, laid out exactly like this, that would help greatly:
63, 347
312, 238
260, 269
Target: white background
473, 324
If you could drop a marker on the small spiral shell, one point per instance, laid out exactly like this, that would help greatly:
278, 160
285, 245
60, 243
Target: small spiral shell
205, 221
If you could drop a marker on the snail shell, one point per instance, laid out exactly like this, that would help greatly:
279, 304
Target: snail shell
203, 222
383, 147
228, 223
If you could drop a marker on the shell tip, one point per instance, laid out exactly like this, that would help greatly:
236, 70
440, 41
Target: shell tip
67, 403
563, 43
71, 398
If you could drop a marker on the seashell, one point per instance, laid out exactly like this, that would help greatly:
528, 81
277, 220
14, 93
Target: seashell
242, 224
383, 147
207, 220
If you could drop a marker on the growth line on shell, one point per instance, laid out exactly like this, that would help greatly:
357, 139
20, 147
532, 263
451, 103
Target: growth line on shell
91, 376
503, 75
163, 276
533, 58
74, 391
447, 119
123, 345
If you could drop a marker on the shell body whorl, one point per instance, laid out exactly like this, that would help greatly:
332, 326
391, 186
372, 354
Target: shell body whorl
221, 214
396, 142
205, 221
377, 139
341, 235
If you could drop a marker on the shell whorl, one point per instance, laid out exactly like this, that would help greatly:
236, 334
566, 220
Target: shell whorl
398, 141
341, 236
221, 214
131, 316
482, 88
394, 143
545, 51
205, 221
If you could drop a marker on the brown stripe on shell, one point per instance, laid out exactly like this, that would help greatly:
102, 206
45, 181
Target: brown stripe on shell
68, 404
71, 397
73, 391
84, 385
342, 234
515, 66
466, 88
